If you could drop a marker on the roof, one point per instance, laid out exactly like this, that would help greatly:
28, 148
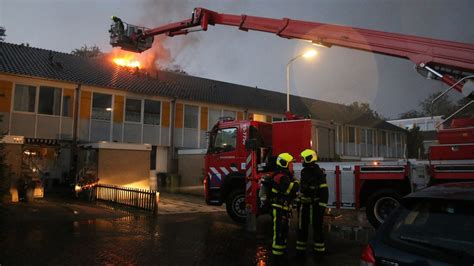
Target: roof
449, 191
100, 72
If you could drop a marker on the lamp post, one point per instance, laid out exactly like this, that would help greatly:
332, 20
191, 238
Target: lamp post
307, 54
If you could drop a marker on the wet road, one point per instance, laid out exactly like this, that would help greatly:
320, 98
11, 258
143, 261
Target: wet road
58, 233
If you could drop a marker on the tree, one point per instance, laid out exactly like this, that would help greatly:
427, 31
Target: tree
411, 114
87, 51
2, 34
443, 106
415, 148
364, 108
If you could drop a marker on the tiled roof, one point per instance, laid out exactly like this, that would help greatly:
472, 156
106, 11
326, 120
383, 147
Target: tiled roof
100, 72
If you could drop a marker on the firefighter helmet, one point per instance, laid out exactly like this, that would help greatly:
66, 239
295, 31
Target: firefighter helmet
309, 156
284, 159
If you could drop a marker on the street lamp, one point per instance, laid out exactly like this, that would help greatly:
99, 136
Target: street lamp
308, 54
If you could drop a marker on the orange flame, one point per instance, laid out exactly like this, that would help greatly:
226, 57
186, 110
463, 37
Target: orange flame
126, 62
145, 60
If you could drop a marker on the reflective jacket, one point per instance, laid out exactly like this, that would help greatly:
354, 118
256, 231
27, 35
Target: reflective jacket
283, 190
313, 185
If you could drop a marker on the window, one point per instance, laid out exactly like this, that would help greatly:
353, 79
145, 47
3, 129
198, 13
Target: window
363, 136
224, 140
370, 136
101, 106
439, 228
383, 138
191, 116
25, 98
229, 114
393, 141
133, 110
214, 116
152, 112
351, 134
49, 101
276, 119
67, 106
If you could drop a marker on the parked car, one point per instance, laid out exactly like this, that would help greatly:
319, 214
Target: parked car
434, 226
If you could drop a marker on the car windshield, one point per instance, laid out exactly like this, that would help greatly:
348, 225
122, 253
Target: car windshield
223, 140
439, 227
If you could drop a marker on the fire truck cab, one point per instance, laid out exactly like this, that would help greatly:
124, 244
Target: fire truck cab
227, 162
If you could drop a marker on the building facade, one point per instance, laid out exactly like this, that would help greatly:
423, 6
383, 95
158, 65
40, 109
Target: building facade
66, 108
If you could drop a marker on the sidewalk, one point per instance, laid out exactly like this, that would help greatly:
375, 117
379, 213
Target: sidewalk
180, 203
55, 209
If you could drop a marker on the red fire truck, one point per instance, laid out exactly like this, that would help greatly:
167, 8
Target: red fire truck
241, 152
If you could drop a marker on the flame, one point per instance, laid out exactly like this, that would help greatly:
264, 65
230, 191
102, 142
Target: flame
126, 62
145, 60
128, 59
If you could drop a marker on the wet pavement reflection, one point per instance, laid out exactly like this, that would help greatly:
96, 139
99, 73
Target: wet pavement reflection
178, 239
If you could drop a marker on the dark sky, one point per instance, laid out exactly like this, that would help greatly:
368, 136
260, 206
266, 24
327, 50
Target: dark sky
340, 75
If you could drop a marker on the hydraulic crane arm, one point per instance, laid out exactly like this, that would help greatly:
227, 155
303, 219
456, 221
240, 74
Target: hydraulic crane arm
433, 56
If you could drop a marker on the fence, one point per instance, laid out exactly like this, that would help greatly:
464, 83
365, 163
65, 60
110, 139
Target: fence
134, 197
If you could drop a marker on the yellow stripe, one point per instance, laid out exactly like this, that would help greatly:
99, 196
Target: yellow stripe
319, 244
274, 227
280, 207
300, 248
322, 204
278, 246
320, 249
323, 185
276, 252
290, 187
274, 190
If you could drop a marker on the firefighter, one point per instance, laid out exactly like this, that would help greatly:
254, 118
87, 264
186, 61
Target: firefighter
313, 198
118, 22
283, 192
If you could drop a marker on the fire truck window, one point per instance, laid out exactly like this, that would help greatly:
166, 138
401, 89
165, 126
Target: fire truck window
225, 140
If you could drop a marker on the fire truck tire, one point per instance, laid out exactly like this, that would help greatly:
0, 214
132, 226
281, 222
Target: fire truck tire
235, 206
381, 204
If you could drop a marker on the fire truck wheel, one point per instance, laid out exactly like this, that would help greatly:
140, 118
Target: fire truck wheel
381, 204
235, 206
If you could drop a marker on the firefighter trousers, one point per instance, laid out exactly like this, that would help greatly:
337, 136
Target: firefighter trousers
311, 214
280, 230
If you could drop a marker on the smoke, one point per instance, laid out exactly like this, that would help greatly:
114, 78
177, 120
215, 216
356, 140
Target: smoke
165, 50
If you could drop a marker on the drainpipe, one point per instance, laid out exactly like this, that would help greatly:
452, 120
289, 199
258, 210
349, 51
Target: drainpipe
171, 153
73, 161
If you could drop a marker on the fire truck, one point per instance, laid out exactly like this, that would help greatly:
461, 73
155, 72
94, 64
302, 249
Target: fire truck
240, 153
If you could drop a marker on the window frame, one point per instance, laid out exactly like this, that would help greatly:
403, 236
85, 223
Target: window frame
71, 115
125, 111
15, 95
60, 102
159, 115
210, 123
111, 106
197, 116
